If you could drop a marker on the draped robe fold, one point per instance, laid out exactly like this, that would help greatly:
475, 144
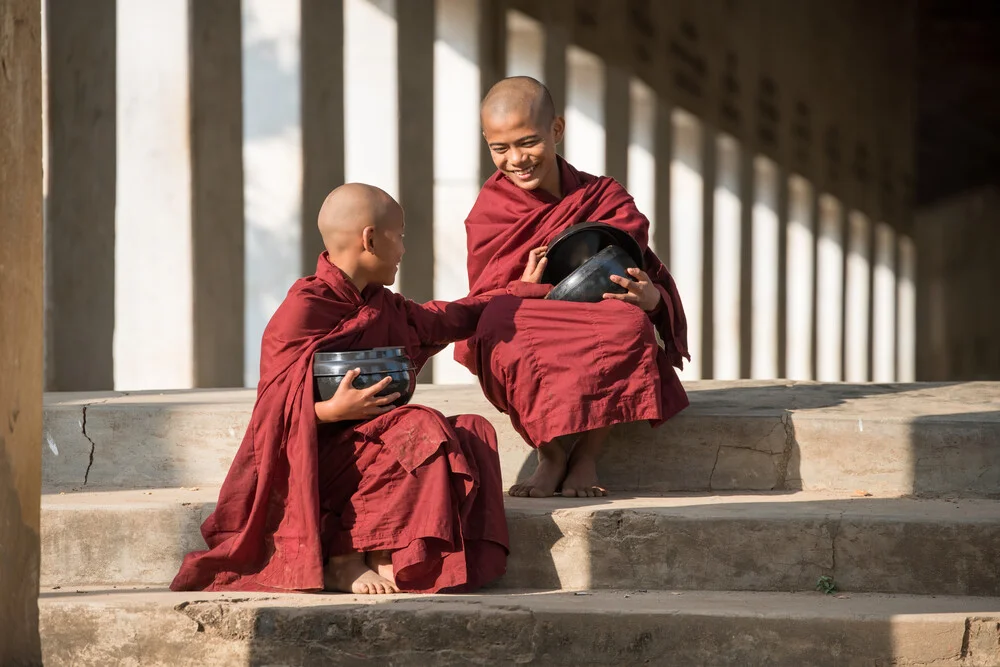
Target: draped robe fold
556, 367
425, 486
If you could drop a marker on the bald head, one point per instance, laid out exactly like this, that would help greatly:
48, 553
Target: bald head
352, 207
518, 95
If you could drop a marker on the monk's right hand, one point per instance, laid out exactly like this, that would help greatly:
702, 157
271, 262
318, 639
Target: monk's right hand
350, 404
536, 266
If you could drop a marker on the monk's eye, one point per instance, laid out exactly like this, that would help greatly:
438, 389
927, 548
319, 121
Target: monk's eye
500, 149
529, 143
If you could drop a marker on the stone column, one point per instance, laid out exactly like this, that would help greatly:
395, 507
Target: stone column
371, 107
80, 209
884, 302
493, 37
454, 160
525, 46
274, 213
585, 143
154, 343
764, 242
418, 90
558, 27
641, 167
687, 229
906, 308
856, 298
829, 290
799, 279
617, 105
21, 343
727, 255
217, 192
322, 73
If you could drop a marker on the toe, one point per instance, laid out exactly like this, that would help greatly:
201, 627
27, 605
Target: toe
535, 492
569, 493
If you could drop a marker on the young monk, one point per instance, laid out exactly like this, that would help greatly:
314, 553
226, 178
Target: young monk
564, 372
351, 494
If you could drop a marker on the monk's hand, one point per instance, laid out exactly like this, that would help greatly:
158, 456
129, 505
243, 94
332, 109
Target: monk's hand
350, 404
536, 265
641, 290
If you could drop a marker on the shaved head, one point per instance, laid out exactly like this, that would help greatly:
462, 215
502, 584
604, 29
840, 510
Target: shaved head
518, 95
352, 207
362, 229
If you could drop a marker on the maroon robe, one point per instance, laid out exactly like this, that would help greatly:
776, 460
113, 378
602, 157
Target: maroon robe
558, 367
411, 480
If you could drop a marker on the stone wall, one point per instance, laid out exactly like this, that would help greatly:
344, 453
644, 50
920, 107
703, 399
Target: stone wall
20, 328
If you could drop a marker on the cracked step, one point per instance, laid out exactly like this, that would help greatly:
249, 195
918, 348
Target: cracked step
620, 627
762, 542
920, 439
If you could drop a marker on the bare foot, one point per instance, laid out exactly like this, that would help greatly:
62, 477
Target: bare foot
581, 480
545, 480
350, 574
380, 562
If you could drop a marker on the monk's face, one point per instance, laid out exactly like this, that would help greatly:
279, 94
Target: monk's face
387, 247
524, 148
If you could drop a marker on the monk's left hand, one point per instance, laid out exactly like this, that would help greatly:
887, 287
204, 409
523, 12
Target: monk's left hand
641, 290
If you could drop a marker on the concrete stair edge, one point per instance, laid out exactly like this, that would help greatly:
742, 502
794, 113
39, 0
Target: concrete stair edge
780, 542
927, 440
624, 627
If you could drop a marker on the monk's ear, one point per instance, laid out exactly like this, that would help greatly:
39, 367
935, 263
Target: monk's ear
558, 128
368, 239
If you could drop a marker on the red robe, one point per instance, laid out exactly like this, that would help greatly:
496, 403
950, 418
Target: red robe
411, 480
558, 367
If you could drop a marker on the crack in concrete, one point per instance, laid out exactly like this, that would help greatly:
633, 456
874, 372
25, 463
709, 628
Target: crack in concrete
711, 475
781, 483
93, 445
834, 532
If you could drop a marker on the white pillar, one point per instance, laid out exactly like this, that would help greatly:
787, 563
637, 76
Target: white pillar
856, 298
799, 280
906, 325
687, 229
371, 107
829, 290
884, 335
525, 46
728, 223
585, 134
153, 260
272, 165
641, 152
764, 319
457, 135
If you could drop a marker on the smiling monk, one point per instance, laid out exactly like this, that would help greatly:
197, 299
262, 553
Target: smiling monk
564, 372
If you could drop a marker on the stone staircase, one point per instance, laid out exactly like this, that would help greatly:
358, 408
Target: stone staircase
709, 552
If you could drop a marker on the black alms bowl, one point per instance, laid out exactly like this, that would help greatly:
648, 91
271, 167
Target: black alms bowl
329, 369
573, 246
592, 279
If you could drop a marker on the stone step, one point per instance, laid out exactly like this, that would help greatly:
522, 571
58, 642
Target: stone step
763, 542
621, 627
899, 439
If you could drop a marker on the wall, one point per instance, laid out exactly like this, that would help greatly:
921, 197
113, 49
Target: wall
957, 282
20, 328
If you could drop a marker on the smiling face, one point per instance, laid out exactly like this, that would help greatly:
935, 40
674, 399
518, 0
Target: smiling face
523, 147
